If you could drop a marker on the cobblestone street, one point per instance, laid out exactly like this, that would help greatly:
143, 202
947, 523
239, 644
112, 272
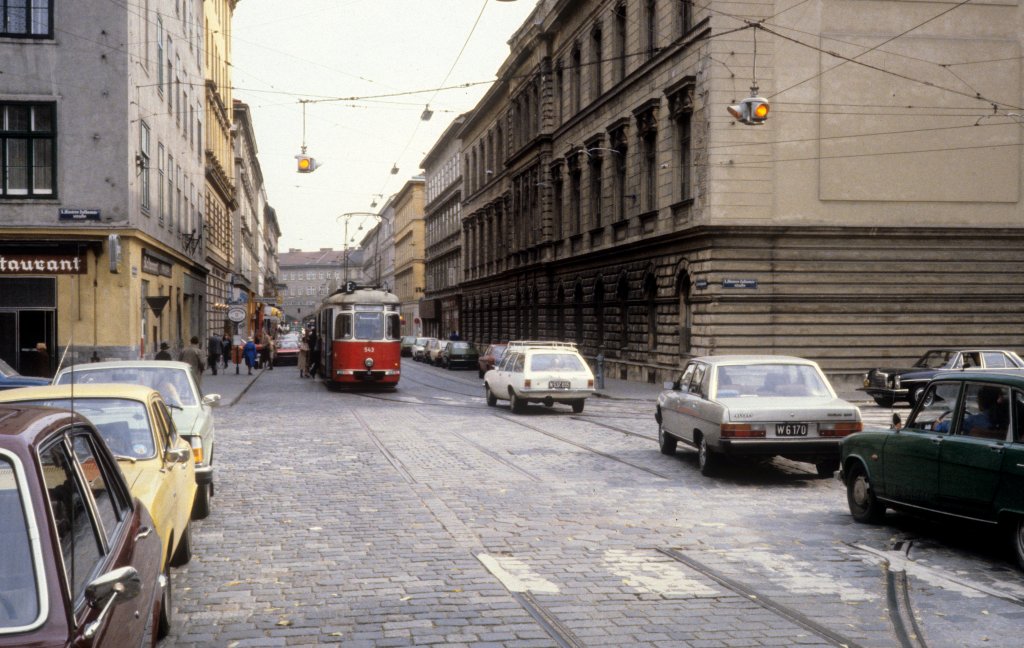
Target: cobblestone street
423, 517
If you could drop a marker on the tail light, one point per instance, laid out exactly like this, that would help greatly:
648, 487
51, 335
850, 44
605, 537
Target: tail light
197, 448
839, 428
526, 383
590, 383
742, 431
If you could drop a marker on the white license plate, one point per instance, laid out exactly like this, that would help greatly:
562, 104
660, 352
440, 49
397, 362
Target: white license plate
790, 429
559, 384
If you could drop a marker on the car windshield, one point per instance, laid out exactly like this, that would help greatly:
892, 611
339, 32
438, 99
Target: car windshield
460, 347
123, 423
408, 339
498, 350
173, 384
767, 380
18, 589
556, 362
287, 343
6, 369
935, 359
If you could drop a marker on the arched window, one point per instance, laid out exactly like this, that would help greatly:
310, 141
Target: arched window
651, 299
683, 288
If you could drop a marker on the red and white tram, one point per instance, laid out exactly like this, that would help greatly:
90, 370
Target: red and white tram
360, 331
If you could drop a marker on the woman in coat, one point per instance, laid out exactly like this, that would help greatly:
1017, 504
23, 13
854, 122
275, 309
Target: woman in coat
249, 352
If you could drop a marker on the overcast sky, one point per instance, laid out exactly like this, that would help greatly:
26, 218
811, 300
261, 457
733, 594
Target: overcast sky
344, 49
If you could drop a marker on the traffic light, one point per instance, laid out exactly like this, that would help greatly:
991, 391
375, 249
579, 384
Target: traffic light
752, 111
305, 164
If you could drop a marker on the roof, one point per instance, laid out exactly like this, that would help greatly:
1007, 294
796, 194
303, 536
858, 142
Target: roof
31, 422
754, 359
323, 257
93, 390
1005, 376
126, 364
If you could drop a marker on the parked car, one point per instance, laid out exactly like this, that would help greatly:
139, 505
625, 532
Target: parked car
419, 348
287, 351
432, 352
540, 372
889, 385
490, 357
60, 488
408, 341
960, 456
755, 406
156, 461
191, 410
11, 379
459, 355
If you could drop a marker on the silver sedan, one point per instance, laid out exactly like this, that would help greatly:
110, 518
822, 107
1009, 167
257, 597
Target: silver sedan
755, 406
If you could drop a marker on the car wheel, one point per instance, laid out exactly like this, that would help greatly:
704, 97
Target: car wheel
666, 442
884, 401
707, 461
183, 553
915, 395
1018, 540
517, 404
492, 400
826, 467
201, 507
864, 506
577, 405
163, 626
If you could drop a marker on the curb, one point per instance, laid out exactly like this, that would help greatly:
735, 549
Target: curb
247, 387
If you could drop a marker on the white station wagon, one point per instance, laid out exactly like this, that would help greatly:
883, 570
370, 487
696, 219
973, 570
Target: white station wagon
755, 406
539, 372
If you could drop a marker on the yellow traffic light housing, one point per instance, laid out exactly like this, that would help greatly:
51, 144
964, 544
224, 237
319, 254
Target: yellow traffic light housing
752, 111
305, 164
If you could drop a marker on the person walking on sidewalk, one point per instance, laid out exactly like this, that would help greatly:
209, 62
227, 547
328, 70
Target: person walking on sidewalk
192, 355
249, 351
226, 350
214, 351
266, 351
303, 357
164, 353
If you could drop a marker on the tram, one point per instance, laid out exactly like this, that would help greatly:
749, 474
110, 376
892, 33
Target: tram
361, 333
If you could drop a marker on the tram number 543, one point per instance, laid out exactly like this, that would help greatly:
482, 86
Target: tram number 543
367, 349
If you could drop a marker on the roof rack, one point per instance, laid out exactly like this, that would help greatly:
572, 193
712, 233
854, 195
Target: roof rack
541, 344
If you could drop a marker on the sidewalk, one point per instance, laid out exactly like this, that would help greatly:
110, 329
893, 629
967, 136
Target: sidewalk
228, 384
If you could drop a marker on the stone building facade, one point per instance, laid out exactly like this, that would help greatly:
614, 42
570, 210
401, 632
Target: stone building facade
610, 199
409, 251
308, 277
442, 296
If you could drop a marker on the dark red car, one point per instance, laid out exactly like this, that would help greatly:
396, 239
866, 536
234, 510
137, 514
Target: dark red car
490, 357
80, 561
287, 351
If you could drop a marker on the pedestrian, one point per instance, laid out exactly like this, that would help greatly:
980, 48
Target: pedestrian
303, 357
163, 353
266, 347
226, 350
249, 352
194, 356
314, 354
214, 351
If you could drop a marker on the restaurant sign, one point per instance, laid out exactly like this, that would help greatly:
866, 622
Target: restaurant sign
155, 265
42, 264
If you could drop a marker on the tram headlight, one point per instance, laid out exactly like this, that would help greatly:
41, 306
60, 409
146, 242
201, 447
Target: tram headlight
369, 363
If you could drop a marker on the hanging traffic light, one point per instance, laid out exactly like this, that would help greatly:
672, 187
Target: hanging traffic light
752, 111
305, 164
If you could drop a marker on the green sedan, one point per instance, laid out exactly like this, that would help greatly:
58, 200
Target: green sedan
960, 455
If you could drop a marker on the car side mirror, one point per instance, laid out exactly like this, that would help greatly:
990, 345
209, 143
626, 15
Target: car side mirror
121, 584
897, 422
176, 455
211, 399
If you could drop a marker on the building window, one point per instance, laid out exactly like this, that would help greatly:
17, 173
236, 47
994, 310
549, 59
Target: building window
618, 140
28, 142
557, 213
159, 56
680, 101
160, 184
577, 74
596, 58
650, 26
143, 163
26, 19
575, 197
684, 15
596, 187
649, 171
620, 42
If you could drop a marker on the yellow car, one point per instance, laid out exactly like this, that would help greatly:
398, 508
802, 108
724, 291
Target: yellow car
157, 463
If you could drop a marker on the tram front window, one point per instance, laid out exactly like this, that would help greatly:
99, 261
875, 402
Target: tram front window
343, 327
369, 326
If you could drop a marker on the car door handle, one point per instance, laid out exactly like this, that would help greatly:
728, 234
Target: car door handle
937, 440
143, 533
996, 449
